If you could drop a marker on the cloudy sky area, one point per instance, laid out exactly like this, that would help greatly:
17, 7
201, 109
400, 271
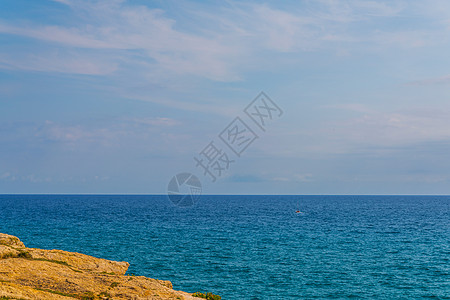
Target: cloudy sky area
118, 96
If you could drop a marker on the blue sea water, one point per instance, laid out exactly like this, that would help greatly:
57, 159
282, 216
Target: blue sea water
254, 247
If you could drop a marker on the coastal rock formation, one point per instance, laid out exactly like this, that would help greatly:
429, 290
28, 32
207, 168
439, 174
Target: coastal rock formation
27, 273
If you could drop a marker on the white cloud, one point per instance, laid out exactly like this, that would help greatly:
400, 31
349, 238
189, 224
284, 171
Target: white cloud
8, 176
67, 2
218, 45
67, 134
156, 121
121, 27
280, 30
72, 63
431, 81
355, 107
377, 8
5, 175
133, 42
391, 129
114, 132
364, 130
307, 177
356, 10
210, 108
282, 179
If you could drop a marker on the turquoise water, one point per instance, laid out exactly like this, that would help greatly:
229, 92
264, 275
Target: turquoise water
254, 247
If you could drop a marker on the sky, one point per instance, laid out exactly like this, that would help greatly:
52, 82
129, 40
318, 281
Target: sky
120, 96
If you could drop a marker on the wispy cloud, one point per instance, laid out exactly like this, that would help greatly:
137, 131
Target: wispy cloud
156, 121
140, 31
335, 65
217, 46
245, 178
59, 62
390, 129
308, 177
353, 11
108, 134
443, 80
66, 2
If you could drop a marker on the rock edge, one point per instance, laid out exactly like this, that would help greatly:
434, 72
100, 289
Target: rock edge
27, 273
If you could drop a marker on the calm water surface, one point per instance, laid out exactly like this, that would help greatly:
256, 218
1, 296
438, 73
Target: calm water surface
254, 247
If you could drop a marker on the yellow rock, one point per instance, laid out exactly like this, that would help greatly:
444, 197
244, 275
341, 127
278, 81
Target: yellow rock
10, 240
27, 273
6, 252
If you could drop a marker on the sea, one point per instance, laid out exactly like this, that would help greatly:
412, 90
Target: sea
254, 247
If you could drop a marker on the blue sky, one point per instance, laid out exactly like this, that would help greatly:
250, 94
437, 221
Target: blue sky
119, 96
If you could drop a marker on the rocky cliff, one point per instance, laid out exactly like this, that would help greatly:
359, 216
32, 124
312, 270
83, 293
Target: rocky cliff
27, 273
